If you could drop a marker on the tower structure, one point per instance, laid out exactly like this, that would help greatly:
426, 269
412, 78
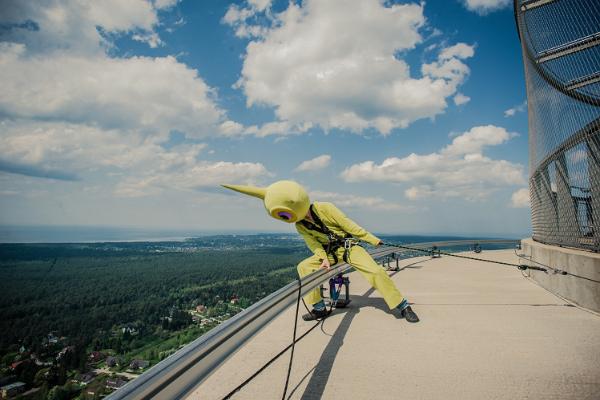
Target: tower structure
561, 52
560, 42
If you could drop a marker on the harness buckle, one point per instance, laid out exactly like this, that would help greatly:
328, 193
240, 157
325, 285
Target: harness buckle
348, 243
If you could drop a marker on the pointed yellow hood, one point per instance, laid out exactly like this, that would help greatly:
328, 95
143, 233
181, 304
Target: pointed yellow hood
249, 190
284, 200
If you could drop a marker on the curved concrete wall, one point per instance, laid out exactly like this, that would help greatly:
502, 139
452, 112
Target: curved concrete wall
584, 292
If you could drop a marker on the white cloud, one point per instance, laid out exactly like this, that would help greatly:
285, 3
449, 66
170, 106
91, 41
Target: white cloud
156, 94
353, 201
483, 7
231, 128
242, 18
458, 170
152, 39
79, 147
273, 128
70, 109
62, 71
516, 109
150, 168
474, 140
260, 5
460, 50
520, 198
198, 175
73, 25
315, 164
165, 4
336, 64
461, 99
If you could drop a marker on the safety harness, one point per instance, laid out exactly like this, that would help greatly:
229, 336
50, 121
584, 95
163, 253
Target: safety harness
334, 241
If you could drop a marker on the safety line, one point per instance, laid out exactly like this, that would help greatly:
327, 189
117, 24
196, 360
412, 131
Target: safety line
291, 345
439, 252
522, 267
289, 371
554, 270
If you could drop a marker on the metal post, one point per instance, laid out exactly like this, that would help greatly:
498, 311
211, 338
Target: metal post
550, 206
593, 155
567, 213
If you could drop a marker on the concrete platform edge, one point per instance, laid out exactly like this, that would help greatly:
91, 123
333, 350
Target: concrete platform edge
584, 293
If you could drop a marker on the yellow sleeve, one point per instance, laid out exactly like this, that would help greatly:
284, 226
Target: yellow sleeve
347, 225
312, 243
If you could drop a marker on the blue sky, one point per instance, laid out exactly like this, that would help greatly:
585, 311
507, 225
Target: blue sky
409, 116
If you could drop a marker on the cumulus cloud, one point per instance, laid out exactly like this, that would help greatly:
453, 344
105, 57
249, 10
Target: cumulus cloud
474, 140
199, 175
245, 19
165, 4
511, 112
520, 199
461, 99
54, 150
458, 170
315, 164
338, 64
354, 201
60, 69
156, 94
74, 26
69, 107
483, 7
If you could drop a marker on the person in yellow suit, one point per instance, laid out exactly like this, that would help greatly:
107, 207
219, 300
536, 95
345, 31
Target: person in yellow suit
331, 236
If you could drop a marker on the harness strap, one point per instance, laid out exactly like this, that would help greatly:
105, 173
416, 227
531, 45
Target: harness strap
334, 241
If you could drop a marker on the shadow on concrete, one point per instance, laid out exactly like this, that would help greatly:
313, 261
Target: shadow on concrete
318, 381
320, 376
408, 266
300, 383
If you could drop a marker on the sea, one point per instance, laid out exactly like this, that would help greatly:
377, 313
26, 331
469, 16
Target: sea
95, 234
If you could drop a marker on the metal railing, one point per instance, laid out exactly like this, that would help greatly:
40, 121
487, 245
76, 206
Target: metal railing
176, 376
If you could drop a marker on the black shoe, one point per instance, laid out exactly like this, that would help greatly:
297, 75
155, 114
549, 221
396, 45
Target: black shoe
409, 314
315, 314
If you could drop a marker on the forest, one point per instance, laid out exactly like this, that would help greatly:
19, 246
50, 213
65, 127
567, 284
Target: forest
127, 299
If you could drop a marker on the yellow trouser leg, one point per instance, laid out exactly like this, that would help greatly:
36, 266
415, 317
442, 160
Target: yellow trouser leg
363, 263
374, 274
306, 267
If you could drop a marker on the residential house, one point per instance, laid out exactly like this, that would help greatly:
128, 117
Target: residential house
115, 383
96, 356
139, 364
112, 361
84, 379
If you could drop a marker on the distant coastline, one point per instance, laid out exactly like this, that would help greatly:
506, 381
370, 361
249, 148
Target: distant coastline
93, 234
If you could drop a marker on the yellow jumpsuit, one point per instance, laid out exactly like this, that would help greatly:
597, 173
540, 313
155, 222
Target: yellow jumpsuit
358, 257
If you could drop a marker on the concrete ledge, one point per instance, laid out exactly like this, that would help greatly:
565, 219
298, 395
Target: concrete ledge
583, 292
485, 333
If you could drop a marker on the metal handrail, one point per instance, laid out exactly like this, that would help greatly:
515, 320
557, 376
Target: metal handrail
176, 376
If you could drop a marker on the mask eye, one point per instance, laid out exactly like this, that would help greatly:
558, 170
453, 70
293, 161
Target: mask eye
284, 215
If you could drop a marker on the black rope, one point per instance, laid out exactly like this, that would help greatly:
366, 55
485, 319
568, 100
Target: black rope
522, 267
289, 371
554, 270
290, 346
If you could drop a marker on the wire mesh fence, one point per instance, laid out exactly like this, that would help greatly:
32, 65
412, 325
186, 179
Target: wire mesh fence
560, 40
